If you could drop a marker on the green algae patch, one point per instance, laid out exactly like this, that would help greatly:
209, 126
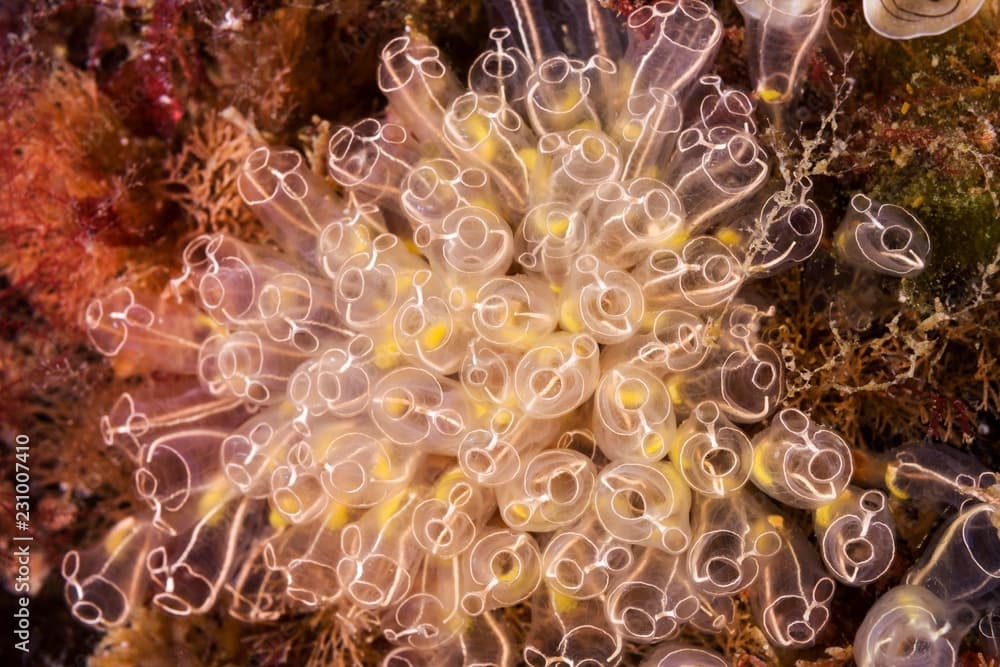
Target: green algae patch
961, 217
932, 106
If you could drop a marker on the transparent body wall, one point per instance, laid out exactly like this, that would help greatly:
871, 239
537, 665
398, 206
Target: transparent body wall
510, 364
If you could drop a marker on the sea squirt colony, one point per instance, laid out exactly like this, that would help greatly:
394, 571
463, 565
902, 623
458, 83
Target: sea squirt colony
511, 365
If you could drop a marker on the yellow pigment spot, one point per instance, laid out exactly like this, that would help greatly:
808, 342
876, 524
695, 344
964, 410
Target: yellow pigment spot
676, 240
518, 511
447, 482
653, 444
208, 323
287, 410
388, 509
487, 150
557, 225
386, 354
459, 623
215, 494
336, 517
769, 94
568, 319
675, 387
571, 99
729, 237
118, 535
288, 503
632, 394
434, 335
509, 573
776, 521
381, 468
905, 109
404, 281
824, 515
477, 127
563, 603
890, 483
760, 471
276, 520
529, 156
503, 418
396, 406
713, 330
632, 131
483, 203
361, 244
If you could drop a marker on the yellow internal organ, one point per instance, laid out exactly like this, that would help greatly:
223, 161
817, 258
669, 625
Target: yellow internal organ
557, 225
632, 395
118, 535
215, 494
653, 445
276, 520
337, 516
386, 354
434, 335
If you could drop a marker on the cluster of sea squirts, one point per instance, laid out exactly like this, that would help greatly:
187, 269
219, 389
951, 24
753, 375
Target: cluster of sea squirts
511, 364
